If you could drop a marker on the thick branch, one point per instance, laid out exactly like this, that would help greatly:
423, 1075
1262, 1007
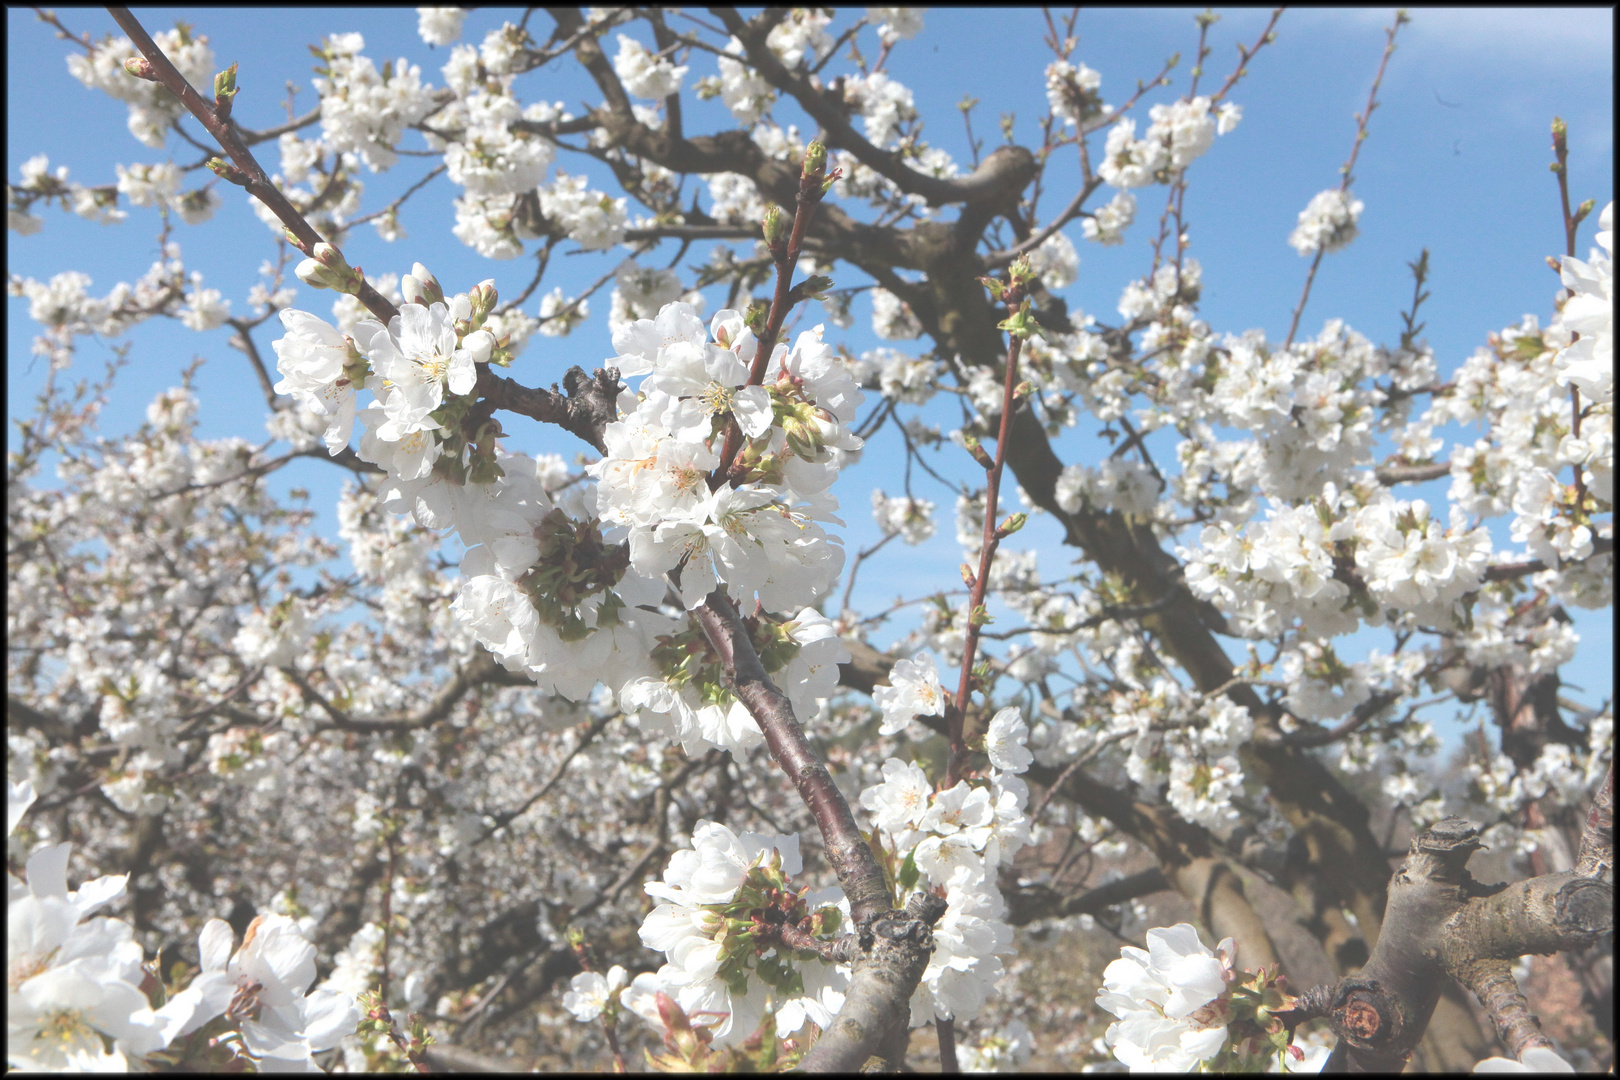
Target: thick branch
1596, 858
894, 945
1026, 907
1392, 474
482, 669
1441, 923
999, 175
851, 859
590, 404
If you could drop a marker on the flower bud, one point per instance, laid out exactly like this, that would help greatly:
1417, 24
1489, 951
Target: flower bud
815, 160
1021, 271
421, 287
483, 298
480, 343
327, 269
224, 91
226, 171
777, 228
484, 468
811, 288
1013, 523
141, 68
1021, 323
316, 276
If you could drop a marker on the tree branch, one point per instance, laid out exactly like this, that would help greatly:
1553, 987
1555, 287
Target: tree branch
1441, 923
894, 945
257, 181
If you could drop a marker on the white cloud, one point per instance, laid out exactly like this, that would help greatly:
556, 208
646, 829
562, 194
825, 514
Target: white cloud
1528, 36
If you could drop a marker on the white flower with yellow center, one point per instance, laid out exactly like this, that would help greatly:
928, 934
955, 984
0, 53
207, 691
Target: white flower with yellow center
708, 381
419, 356
914, 691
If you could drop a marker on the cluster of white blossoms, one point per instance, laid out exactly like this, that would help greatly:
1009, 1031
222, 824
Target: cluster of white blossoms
644, 74
723, 960
365, 111
1056, 261
892, 318
274, 637
570, 591
885, 105
742, 89
1328, 223
1005, 1051
1182, 1007
490, 157
590, 993
1293, 567
1182, 747
41, 183
757, 531
641, 292
1116, 483
588, 216
896, 23
913, 691
910, 518
1160, 995
75, 983
440, 25
1588, 362
909, 380
735, 199
66, 310
1107, 224
1554, 475
801, 37
955, 839
1309, 408
1320, 685
1072, 92
151, 107
1178, 134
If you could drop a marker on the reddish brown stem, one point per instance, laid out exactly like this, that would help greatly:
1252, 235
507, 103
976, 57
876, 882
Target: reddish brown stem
257, 180
1350, 165
851, 859
1560, 138
786, 259
987, 554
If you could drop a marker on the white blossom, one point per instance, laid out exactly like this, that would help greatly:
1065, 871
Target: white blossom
914, 691
1327, 224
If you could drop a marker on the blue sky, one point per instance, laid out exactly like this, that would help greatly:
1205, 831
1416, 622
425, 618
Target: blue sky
1456, 162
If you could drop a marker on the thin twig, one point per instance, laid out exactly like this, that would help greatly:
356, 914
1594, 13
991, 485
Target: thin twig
1349, 166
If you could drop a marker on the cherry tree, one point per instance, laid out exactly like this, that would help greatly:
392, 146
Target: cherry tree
589, 728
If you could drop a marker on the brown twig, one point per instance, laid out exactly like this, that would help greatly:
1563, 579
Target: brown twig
1349, 166
992, 539
254, 178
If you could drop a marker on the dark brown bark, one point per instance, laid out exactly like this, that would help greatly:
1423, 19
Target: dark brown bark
1442, 925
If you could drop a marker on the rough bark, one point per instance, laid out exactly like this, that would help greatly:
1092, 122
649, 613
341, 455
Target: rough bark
1442, 925
894, 947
